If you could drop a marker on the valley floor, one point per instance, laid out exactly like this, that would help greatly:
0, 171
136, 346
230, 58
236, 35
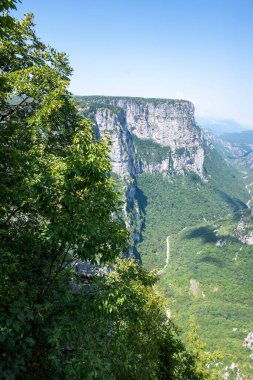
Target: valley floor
205, 268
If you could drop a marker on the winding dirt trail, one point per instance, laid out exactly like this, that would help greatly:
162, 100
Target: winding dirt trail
167, 256
161, 271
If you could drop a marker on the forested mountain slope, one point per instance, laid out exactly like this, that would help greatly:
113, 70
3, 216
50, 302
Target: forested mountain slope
185, 185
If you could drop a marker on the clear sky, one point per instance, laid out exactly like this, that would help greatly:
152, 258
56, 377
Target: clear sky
200, 50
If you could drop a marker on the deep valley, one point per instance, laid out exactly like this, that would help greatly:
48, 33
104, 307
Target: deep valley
185, 183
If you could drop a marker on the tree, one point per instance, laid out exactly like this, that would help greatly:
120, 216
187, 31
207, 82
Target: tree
6, 21
205, 361
59, 204
126, 334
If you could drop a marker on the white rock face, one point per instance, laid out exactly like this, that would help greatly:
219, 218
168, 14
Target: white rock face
244, 232
169, 123
248, 341
191, 160
221, 242
122, 150
232, 370
157, 167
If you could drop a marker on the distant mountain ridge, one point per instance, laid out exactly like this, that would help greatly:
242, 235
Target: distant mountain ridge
221, 126
244, 137
234, 146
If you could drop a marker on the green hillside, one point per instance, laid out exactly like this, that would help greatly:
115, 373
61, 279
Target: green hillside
169, 204
210, 276
201, 217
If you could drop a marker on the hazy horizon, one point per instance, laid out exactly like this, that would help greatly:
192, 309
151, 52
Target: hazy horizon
189, 49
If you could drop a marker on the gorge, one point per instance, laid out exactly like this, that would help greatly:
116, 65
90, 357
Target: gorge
186, 196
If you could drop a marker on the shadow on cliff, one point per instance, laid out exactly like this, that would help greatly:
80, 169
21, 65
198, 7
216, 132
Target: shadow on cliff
137, 255
209, 259
207, 234
235, 203
142, 202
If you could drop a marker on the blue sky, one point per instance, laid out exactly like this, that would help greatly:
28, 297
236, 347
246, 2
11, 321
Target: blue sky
200, 50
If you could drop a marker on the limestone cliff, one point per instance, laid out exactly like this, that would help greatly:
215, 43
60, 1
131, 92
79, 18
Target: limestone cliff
112, 124
134, 124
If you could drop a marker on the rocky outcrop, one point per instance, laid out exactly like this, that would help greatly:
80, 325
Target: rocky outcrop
244, 230
112, 124
239, 152
226, 147
167, 123
248, 343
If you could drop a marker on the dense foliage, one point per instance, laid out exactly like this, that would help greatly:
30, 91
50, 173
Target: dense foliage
166, 203
59, 205
197, 215
210, 276
109, 100
89, 108
149, 151
125, 333
57, 201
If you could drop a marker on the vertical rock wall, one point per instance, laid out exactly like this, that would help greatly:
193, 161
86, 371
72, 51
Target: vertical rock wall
168, 123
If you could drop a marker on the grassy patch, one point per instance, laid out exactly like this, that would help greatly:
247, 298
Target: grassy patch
150, 151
